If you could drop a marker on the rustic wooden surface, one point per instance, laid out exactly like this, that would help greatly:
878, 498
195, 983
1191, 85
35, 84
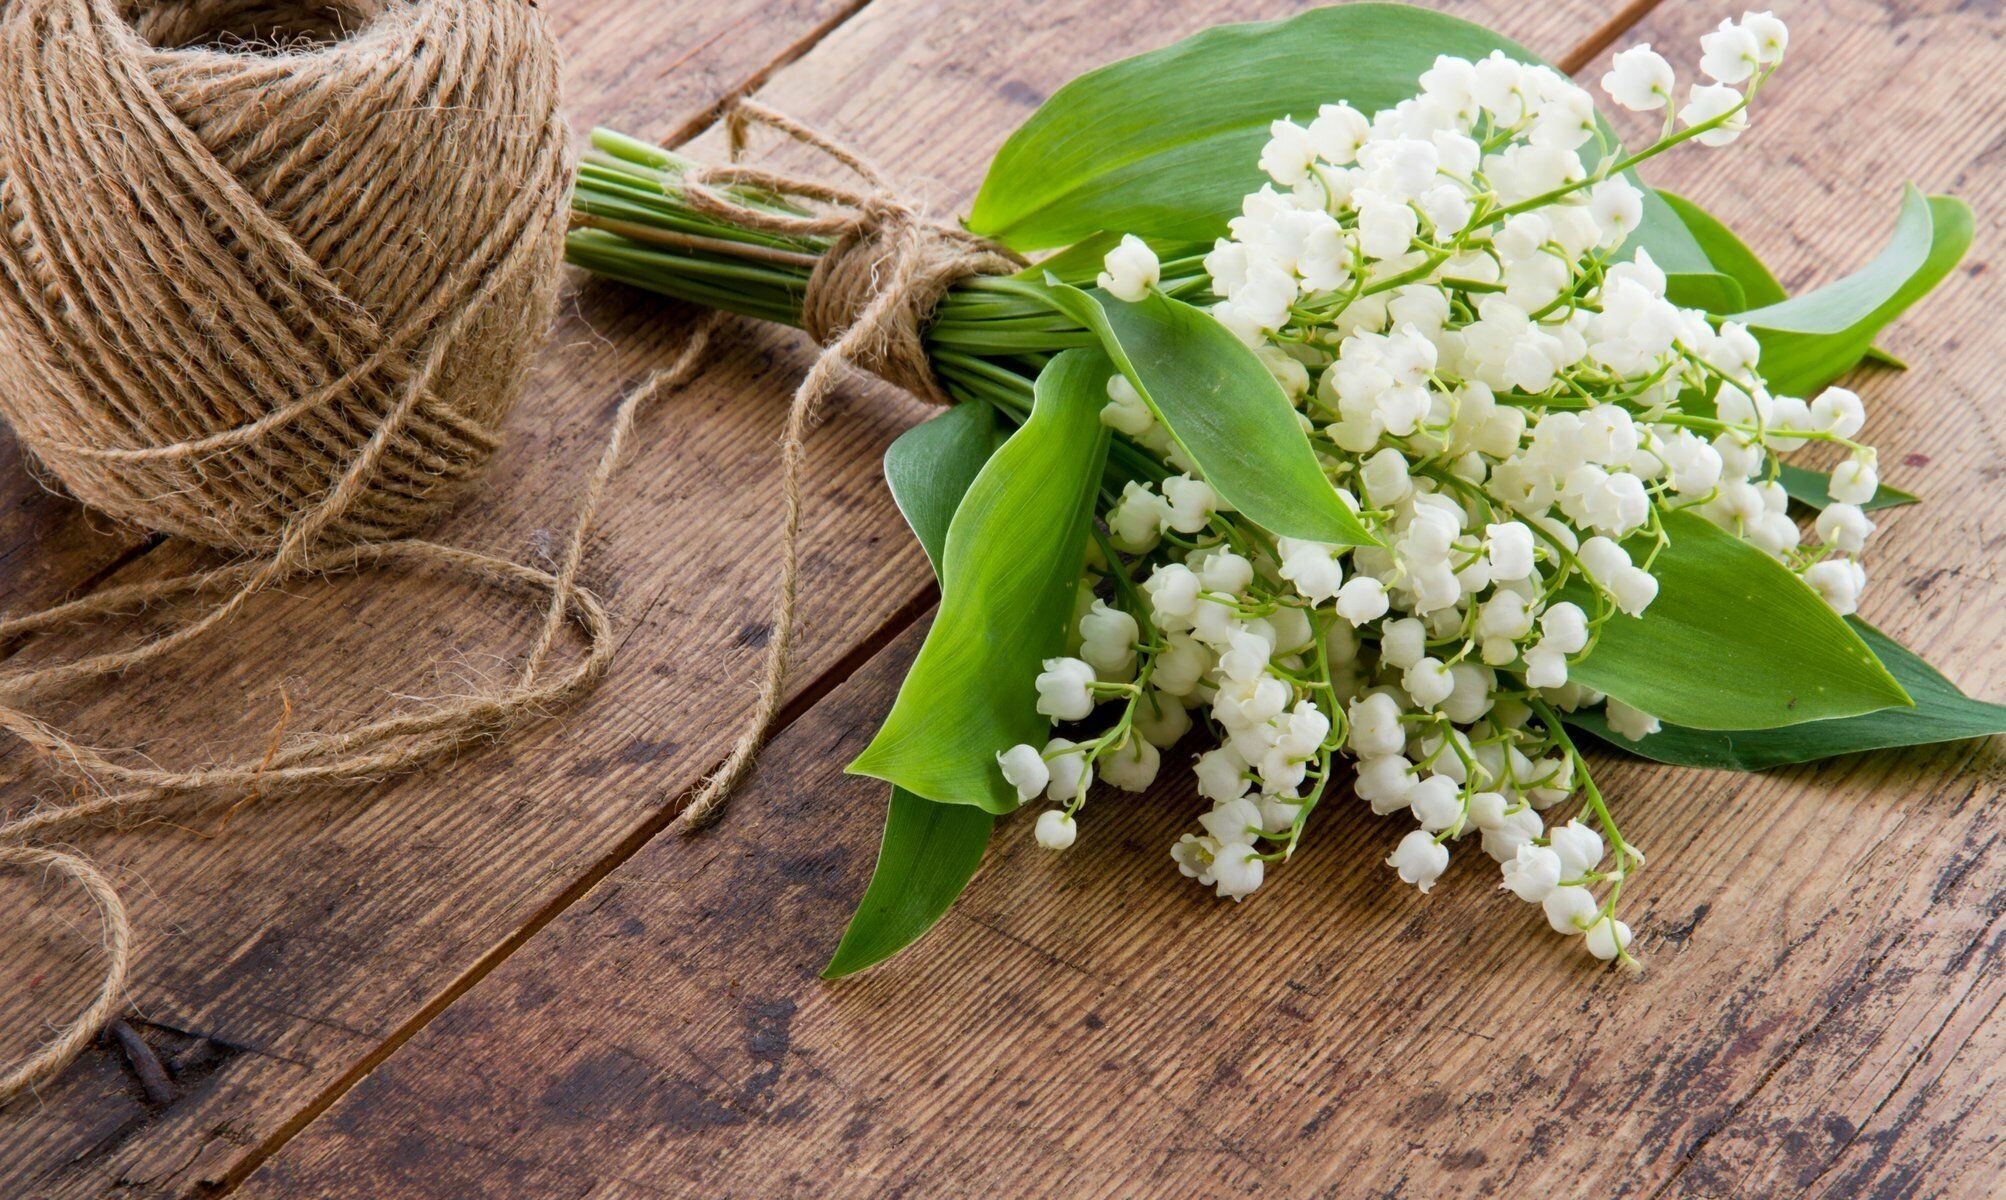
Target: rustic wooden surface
495, 979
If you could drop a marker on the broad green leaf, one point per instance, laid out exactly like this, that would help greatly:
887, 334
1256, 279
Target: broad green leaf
1224, 408
930, 467
1813, 488
1942, 713
1736, 262
1165, 144
1812, 339
1734, 641
1728, 254
929, 853
1013, 557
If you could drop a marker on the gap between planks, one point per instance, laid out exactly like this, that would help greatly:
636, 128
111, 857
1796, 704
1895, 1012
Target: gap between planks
1616, 26
628, 846
867, 648
696, 124
809, 695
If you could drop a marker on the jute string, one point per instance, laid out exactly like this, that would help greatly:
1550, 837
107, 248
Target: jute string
283, 417
868, 304
277, 302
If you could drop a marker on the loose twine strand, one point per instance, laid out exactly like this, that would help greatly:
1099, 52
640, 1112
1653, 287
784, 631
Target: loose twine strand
348, 757
868, 303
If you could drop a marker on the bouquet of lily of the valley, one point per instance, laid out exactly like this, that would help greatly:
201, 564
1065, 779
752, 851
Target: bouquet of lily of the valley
1372, 430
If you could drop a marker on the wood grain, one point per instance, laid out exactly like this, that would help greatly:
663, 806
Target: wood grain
285, 957
653, 70
660, 70
49, 545
326, 650
1820, 1014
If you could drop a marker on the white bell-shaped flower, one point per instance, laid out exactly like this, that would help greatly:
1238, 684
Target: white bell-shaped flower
1130, 270
1024, 769
1579, 847
1419, 859
1570, 908
1532, 873
1237, 870
1072, 771
1608, 938
1064, 689
1056, 829
1639, 79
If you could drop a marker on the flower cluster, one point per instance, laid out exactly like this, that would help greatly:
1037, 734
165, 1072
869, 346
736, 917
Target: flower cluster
1497, 384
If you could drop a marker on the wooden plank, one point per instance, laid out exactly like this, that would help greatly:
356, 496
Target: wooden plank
1093, 1026
1819, 1014
50, 546
660, 70
318, 932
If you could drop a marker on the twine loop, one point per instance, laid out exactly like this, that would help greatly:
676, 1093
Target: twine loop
868, 304
344, 427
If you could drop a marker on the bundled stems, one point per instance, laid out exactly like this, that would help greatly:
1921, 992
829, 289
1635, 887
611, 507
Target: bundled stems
988, 339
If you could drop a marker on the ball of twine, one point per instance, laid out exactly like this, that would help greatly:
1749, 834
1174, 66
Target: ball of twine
235, 231
393, 338
270, 276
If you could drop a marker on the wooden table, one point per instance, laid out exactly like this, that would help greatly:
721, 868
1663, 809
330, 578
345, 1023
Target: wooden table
502, 978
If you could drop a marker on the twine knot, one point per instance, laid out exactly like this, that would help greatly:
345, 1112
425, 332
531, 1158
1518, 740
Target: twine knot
310, 382
874, 291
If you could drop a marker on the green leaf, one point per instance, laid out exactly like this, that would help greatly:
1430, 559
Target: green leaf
1734, 641
1814, 488
1728, 254
1012, 559
929, 853
1736, 262
1692, 278
1942, 713
1223, 407
930, 467
1166, 144
1812, 339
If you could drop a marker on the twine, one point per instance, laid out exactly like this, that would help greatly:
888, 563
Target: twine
277, 302
868, 304
225, 272
148, 390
